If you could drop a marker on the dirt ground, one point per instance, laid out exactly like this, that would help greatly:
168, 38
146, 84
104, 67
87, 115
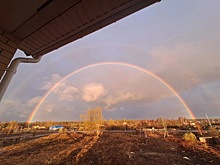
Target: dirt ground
109, 148
6, 140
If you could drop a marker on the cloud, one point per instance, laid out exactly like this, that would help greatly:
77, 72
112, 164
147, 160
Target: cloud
50, 107
122, 97
187, 63
9, 104
66, 92
33, 102
49, 82
23, 116
15, 109
93, 91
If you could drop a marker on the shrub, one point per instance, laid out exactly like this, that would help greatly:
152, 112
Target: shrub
35, 132
213, 132
81, 128
190, 137
60, 130
5, 130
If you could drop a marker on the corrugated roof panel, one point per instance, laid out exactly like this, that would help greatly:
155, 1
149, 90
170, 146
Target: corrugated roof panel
96, 10
81, 19
23, 47
9, 20
68, 21
26, 45
114, 3
37, 38
80, 12
53, 26
75, 18
31, 43
34, 41
52, 31
123, 1
44, 16
87, 10
43, 37
106, 22
132, 7
47, 33
58, 27
104, 9
88, 30
62, 25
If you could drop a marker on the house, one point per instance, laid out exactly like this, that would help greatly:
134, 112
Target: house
56, 127
39, 127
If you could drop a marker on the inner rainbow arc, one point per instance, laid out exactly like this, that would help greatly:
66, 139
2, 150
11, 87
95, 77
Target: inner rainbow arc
109, 63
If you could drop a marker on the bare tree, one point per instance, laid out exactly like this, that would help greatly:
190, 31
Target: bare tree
12, 126
93, 118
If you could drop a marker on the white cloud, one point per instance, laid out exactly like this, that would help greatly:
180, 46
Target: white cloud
49, 107
122, 109
66, 92
23, 116
93, 91
33, 102
188, 63
14, 109
8, 104
122, 97
50, 81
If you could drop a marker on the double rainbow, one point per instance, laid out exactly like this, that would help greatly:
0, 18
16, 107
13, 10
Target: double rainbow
109, 63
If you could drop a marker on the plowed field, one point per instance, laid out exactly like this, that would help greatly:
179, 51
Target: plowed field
109, 148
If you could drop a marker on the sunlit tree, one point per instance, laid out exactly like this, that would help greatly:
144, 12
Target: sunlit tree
48, 123
111, 122
12, 126
93, 118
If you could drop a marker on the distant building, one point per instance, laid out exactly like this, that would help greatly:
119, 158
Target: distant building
56, 127
39, 127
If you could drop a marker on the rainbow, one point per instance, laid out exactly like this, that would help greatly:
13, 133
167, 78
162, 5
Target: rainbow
109, 63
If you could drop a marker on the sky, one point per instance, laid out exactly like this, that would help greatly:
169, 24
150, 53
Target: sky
178, 41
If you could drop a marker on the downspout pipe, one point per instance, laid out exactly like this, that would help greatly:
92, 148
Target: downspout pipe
12, 70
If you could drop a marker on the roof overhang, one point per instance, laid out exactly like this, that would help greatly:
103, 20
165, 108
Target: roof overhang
45, 25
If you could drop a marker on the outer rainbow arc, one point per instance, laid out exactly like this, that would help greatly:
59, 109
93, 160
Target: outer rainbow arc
110, 63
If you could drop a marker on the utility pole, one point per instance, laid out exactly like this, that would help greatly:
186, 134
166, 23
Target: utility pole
208, 120
125, 124
165, 130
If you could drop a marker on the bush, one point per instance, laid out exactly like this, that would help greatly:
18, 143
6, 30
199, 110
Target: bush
81, 128
35, 132
190, 137
213, 132
60, 130
5, 130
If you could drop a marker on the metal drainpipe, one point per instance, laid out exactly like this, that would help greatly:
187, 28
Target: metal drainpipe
12, 70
